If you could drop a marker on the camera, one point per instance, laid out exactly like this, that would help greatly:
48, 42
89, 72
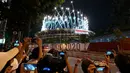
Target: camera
30, 67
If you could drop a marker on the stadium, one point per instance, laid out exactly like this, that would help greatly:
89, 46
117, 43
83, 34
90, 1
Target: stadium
65, 25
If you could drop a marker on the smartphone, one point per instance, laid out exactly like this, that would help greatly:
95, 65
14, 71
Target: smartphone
46, 69
62, 53
30, 67
100, 69
16, 43
109, 53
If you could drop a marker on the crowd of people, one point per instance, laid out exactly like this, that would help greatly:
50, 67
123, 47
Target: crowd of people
22, 59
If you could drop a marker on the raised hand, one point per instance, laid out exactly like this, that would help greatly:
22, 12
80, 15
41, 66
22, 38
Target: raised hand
20, 45
107, 58
78, 61
114, 52
39, 41
27, 40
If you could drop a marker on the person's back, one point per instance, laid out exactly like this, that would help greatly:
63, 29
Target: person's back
123, 63
51, 64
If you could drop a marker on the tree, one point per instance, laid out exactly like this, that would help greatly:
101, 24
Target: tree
27, 15
121, 14
119, 35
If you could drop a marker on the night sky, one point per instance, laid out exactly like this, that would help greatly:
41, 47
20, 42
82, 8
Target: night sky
97, 11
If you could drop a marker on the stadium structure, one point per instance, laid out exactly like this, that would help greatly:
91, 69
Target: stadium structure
64, 24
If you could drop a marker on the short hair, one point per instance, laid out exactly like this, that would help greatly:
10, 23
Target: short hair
85, 64
54, 63
35, 53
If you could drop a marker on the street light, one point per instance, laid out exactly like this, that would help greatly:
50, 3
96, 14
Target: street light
71, 2
73, 10
81, 15
55, 8
3, 1
62, 8
78, 12
67, 8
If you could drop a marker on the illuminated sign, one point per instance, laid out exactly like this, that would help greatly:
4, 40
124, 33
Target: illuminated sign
70, 46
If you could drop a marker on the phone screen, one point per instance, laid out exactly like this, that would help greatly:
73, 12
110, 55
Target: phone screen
62, 53
109, 53
46, 69
16, 43
100, 68
30, 67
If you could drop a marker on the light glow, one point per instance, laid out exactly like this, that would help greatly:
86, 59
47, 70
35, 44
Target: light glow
62, 8
71, 2
55, 8
78, 12
73, 10
67, 8
62, 19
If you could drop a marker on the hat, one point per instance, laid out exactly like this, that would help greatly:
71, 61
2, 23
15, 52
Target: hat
6, 56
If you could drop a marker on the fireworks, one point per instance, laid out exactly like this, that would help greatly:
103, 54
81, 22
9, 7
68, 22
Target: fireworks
65, 18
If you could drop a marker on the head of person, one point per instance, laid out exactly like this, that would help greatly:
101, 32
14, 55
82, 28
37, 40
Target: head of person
45, 49
54, 52
88, 66
122, 61
35, 53
51, 64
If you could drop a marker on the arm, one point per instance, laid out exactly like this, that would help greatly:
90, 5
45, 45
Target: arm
107, 68
68, 66
22, 68
22, 49
76, 66
39, 42
67, 63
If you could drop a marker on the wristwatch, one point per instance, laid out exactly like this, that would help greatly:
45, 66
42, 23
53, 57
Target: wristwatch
76, 64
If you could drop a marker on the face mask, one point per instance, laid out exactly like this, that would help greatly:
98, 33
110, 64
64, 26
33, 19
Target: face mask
14, 64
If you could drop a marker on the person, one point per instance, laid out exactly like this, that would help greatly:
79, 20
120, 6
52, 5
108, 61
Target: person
5, 58
89, 67
122, 61
14, 63
54, 62
76, 65
36, 55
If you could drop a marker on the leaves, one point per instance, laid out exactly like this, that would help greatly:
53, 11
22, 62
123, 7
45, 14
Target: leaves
27, 15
